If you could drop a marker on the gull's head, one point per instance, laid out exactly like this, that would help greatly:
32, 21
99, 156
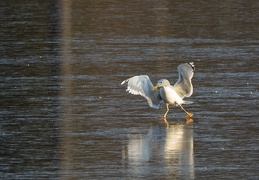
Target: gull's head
161, 83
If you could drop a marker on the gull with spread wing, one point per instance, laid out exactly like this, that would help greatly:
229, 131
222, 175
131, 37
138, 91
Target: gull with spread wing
163, 91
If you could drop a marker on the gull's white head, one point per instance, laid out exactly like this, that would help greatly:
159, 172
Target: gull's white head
161, 83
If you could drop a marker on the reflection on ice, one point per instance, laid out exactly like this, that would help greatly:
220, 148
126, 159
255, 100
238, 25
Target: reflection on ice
171, 149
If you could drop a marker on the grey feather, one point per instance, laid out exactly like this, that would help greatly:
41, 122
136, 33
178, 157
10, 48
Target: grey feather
183, 86
141, 85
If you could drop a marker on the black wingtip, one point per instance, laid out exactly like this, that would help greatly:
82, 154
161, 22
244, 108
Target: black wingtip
192, 65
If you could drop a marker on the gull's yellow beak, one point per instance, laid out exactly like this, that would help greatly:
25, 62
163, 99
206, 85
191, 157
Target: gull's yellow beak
155, 87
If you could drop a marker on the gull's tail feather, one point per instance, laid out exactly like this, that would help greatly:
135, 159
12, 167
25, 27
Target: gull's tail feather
187, 102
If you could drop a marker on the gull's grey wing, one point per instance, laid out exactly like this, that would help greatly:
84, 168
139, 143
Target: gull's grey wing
141, 85
183, 86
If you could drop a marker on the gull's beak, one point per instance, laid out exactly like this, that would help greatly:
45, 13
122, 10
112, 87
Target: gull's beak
155, 87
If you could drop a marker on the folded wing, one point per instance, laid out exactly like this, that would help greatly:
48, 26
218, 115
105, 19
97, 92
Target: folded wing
141, 85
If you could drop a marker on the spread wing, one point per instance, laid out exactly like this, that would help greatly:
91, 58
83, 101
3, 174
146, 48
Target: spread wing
183, 86
141, 85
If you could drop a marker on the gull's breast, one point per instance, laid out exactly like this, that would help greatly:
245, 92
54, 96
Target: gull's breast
170, 96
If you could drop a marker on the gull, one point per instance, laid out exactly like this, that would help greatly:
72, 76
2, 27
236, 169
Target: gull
163, 91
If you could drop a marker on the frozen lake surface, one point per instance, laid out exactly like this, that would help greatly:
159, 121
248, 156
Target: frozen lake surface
64, 114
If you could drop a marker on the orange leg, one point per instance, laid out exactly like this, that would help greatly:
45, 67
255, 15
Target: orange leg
189, 114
